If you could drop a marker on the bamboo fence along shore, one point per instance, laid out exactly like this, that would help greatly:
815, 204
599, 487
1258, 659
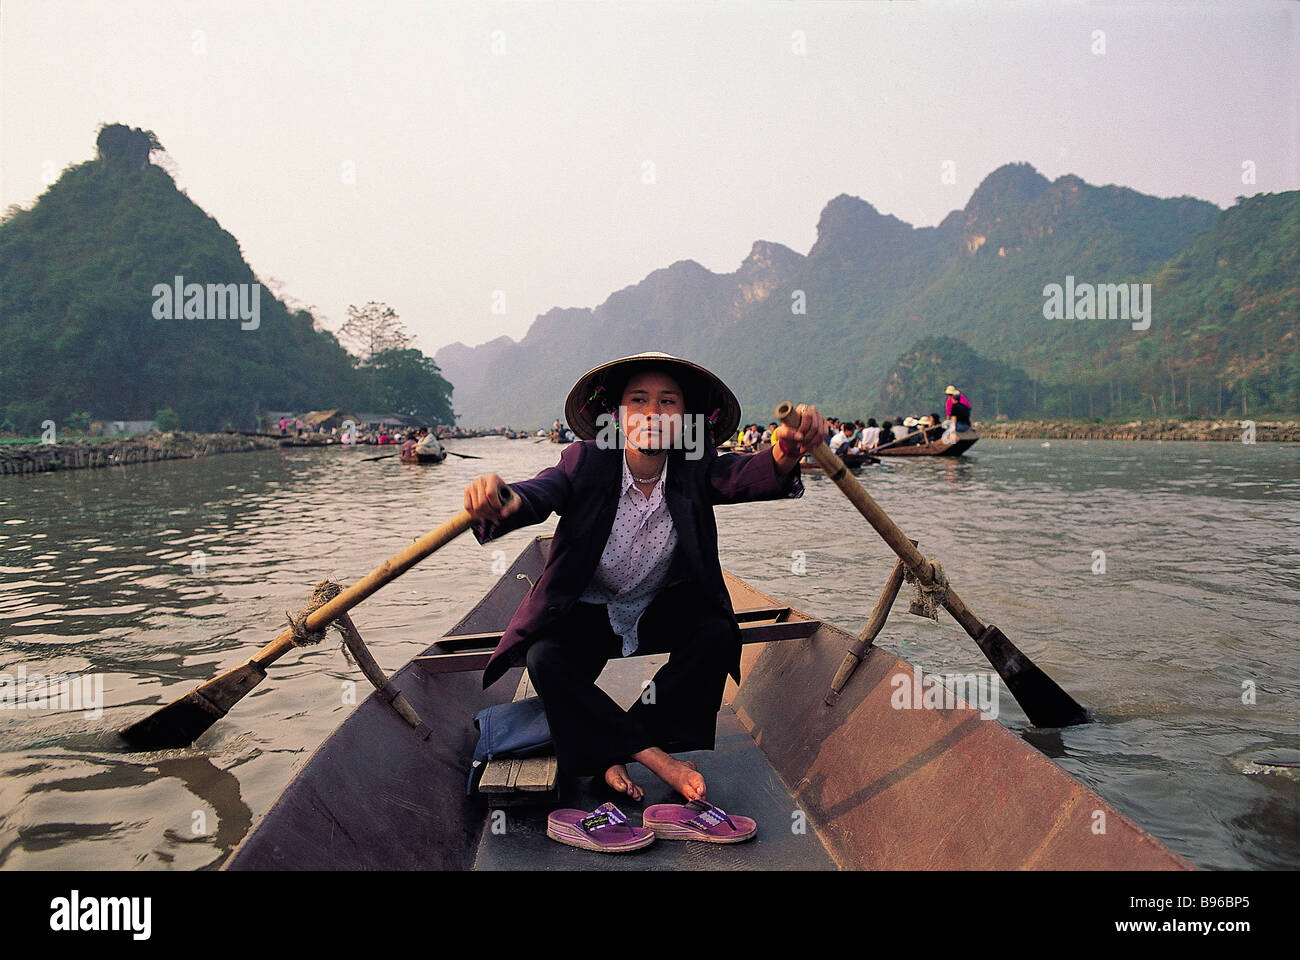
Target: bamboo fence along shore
87, 453
1264, 430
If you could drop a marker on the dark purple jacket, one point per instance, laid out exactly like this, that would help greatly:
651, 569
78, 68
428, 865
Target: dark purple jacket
583, 488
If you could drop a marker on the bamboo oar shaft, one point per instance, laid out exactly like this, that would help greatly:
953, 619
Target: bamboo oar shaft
389, 570
884, 526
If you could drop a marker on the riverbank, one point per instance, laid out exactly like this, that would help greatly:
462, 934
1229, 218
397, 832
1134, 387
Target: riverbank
1277, 431
82, 453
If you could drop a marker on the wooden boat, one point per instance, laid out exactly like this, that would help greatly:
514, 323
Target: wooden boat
951, 444
850, 460
857, 785
414, 457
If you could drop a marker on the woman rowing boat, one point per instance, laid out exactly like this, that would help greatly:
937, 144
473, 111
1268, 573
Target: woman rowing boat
634, 564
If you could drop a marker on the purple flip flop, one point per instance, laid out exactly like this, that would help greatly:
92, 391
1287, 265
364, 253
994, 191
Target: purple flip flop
697, 820
604, 830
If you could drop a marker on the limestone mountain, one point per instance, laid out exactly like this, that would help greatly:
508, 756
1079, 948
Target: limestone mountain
683, 309
872, 286
90, 323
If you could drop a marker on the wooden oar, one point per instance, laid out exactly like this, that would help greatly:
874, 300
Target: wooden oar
467, 456
373, 459
182, 721
1045, 703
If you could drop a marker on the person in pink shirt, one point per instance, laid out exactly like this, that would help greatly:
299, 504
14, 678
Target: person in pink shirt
957, 407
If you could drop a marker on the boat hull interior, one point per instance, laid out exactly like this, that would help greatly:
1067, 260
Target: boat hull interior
857, 785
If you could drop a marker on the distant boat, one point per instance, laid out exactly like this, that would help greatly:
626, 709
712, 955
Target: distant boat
951, 444
850, 460
414, 457
436, 454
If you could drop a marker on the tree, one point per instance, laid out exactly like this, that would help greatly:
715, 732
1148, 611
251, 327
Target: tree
374, 329
409, 384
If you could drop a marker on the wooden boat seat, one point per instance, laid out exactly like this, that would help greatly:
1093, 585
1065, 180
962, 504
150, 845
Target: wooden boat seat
534, 777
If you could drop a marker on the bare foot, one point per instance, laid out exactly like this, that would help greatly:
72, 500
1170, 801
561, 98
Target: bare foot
681, 775
618, 780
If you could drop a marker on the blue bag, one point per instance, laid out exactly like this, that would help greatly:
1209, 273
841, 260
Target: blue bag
517, 729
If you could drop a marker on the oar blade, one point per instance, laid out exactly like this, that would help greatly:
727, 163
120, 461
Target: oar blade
183, 721
1044, 702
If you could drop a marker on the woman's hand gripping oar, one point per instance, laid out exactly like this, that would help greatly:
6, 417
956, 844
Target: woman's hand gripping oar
181, 722
1045, 703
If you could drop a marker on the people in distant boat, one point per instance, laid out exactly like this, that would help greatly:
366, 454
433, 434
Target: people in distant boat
870, 434
923, 430
426, 444
958, 408
937, 426
839, 440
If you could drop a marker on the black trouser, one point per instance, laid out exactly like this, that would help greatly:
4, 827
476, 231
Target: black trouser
677, 712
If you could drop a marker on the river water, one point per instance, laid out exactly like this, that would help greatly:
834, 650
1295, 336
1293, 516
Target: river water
1180, 634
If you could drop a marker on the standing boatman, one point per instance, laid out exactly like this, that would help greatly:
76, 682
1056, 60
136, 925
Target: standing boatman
957, 407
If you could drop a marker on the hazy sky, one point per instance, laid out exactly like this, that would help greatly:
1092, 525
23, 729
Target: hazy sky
559, 152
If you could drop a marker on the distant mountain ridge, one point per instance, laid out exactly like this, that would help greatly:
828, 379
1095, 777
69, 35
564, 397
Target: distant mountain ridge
873, 286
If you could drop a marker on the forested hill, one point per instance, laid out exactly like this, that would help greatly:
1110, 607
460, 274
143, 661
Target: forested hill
82, 329
1222, 313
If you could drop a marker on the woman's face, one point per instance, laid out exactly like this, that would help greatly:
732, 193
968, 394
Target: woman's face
652, 407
